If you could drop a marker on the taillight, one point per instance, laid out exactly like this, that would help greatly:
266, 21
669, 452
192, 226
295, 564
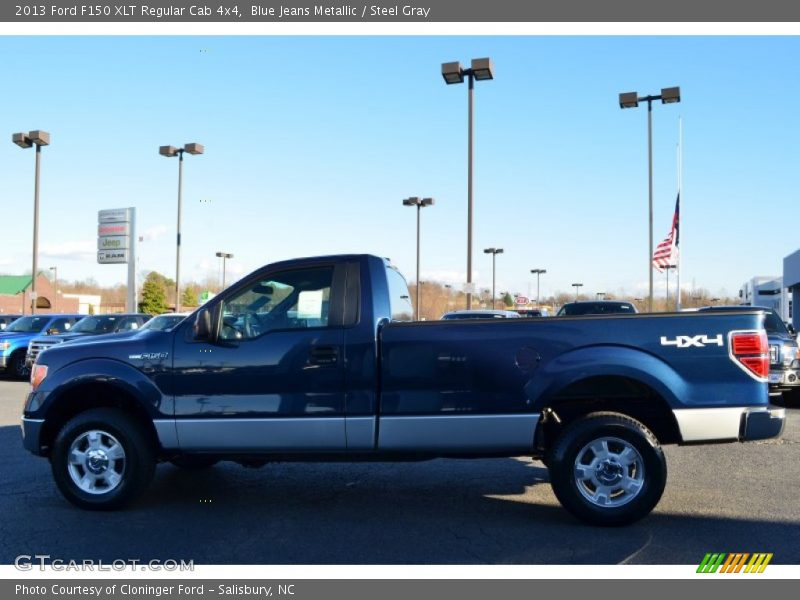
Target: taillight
38, 373
750, 349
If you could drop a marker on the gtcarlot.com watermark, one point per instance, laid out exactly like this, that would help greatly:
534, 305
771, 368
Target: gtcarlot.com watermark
29, 562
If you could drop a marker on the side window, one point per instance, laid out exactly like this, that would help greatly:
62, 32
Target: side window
128, 324
60, 325
296, 299
399, 296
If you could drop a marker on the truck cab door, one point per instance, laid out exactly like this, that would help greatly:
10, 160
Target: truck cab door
271, 379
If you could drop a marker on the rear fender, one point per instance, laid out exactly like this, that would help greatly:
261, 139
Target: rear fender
604, 361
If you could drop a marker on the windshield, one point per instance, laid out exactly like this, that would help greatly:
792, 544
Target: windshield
96, 325
163, 322
773, 323
28, 325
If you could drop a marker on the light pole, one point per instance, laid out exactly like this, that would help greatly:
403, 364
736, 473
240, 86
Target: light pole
669, 95
36, 138
481, 69
577, 286
420, 203
538, 273
224, 256
494, 252
170, 152
600, 295
55, 286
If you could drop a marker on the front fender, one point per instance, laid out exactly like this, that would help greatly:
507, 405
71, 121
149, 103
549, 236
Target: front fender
604, 361
114, 373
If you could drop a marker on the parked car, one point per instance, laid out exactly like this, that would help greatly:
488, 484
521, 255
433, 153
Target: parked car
317, 359
784, 365
6, 320
480, 314
91, 325
596, 307
15, 338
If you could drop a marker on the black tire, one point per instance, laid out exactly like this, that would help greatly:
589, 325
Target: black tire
648, 471
18, 368
135, 470
194, 462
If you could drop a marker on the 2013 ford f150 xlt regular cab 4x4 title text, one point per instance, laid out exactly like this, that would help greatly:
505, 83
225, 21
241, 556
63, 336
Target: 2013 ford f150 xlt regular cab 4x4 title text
314, 359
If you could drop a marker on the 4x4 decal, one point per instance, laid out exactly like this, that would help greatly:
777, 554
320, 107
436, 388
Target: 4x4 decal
693, 341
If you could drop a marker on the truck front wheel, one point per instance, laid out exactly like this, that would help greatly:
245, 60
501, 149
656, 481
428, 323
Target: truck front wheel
102, 459
607, 469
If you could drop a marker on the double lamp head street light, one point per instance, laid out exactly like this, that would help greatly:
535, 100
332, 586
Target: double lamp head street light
171, 152
670, 95
36, 138
224, 256
538, 273
494, 252
481, 69
420, 203
577, 286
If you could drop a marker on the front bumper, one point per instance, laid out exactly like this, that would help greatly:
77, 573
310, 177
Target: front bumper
31, 434
3, 362
784, 378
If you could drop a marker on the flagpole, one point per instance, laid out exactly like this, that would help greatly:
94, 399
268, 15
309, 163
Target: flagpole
680, 212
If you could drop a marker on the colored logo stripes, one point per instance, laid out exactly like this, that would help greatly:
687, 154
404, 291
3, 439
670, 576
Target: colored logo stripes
735, 562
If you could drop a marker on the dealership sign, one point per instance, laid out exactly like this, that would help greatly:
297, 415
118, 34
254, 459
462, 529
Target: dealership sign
111, 257
114, 228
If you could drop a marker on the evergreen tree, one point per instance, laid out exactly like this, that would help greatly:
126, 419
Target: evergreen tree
189, 297
508, 300
154, 297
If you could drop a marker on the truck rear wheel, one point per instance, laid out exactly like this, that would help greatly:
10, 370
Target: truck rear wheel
102, 459
607, 469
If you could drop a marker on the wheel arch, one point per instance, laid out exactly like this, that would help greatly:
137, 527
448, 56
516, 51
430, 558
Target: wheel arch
89, 394
607, 379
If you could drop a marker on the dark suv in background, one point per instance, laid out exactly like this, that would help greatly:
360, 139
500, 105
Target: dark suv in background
596, 307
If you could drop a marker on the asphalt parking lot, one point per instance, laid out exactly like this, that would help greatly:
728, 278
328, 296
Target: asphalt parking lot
722, 498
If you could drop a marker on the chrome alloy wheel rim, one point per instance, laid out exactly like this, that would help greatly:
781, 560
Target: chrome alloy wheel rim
96, 462
609, 472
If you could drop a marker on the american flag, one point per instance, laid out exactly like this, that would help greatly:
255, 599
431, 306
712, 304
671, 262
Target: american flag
666, 254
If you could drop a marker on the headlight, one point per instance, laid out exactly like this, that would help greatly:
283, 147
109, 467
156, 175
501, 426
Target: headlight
38, 373
789, 354
5, 345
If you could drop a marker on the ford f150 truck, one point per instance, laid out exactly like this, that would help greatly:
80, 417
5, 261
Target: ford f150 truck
316, 359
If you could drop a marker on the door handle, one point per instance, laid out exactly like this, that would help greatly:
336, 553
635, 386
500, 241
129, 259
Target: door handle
324, 355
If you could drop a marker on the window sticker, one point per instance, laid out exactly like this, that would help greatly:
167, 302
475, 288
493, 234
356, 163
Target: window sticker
309, 305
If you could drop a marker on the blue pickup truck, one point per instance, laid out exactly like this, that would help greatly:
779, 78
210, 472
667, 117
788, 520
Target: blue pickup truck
14, 339
317, 359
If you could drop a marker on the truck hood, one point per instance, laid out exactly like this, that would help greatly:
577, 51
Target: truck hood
123, 347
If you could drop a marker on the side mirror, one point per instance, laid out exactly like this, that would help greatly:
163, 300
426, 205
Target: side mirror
791, 329
202, 325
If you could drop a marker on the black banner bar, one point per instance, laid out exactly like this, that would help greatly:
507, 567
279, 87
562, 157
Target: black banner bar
375, 11
406, 589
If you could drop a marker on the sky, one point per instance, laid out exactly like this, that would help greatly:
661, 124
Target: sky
311, 143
